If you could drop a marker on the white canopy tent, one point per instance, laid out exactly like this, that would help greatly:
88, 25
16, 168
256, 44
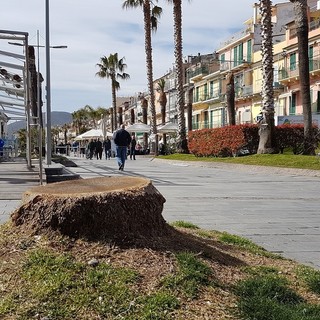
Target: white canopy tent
139, 128
168, 128
93, 134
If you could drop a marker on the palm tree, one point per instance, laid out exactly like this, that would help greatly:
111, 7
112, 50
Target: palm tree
79, 121
93, 115
162, 99
150, 18
302, 25
267, 142
113, 68
230, 99
163, 103
182, 146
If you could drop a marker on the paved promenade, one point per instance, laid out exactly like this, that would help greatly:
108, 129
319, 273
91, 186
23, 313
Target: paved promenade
276, 208
15, 179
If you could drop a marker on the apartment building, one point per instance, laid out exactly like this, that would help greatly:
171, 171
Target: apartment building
239, 55
206, 75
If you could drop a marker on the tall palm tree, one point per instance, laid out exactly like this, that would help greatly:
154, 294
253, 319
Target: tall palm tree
182, 146
230, 99
150, 18
113, 68
79, 121
163, 103
267, 141
162, 99
92, 114
302, 25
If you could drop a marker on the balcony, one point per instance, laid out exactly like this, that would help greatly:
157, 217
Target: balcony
290, 74
234, 65
209, 97
198, 71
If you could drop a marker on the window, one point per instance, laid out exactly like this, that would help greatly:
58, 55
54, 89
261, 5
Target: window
249, 50
293, 102
240, 52
205, 97
196, 98
293, 61
235, 56
211, 89
311, 59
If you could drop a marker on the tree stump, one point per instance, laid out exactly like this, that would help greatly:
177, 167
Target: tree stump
121, 209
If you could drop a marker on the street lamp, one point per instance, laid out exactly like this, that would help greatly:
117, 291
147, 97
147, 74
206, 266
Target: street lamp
48, 87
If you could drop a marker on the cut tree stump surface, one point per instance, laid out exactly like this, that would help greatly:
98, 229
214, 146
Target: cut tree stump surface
120, 209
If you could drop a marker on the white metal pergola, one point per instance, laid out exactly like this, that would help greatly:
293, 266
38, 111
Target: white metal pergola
15, 82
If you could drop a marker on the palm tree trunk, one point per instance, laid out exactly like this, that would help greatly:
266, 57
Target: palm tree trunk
182, 146
114, 104
230, 99
267, 141
148, 51
301, 18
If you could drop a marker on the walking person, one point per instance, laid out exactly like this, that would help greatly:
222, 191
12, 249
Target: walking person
122, 140
99, 149
107, 148
133, 148
92, 148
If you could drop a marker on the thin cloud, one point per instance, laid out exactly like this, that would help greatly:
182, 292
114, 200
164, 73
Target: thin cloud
92, 29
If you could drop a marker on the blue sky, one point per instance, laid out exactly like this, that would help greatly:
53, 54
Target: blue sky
92, 29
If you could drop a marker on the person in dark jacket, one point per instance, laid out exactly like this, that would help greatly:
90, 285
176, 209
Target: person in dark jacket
122, 140
99, 149
107, 148
92, 148
133, 148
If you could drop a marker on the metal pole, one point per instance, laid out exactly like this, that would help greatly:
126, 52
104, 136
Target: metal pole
48, 95
39, 112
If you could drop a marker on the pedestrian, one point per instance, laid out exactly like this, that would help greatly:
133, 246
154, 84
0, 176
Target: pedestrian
122, 140
99, 149
107, 148
92, 148
133, 148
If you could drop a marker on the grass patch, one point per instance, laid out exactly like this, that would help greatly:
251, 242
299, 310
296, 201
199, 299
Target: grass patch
270, 297
184, 224
261, 270
49, 278
273, 160
191, 276
310, 277
63, 287
244, 243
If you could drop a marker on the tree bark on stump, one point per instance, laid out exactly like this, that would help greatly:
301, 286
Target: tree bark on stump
120, 209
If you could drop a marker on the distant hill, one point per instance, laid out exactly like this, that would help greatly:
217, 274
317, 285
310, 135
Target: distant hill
58, 118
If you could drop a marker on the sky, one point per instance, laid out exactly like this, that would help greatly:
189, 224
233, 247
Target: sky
95, 28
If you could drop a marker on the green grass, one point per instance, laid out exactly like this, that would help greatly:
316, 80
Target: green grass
184, 224
57, 287
191, 276
244, 243
270, 297
310, 277
273, 160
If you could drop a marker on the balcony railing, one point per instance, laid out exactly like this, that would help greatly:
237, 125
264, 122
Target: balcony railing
293, 70
197, 70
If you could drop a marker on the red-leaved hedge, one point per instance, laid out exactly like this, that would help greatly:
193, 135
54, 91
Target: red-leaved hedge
229, 140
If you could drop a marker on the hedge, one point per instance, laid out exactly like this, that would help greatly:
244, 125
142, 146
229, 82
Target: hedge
228, 141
